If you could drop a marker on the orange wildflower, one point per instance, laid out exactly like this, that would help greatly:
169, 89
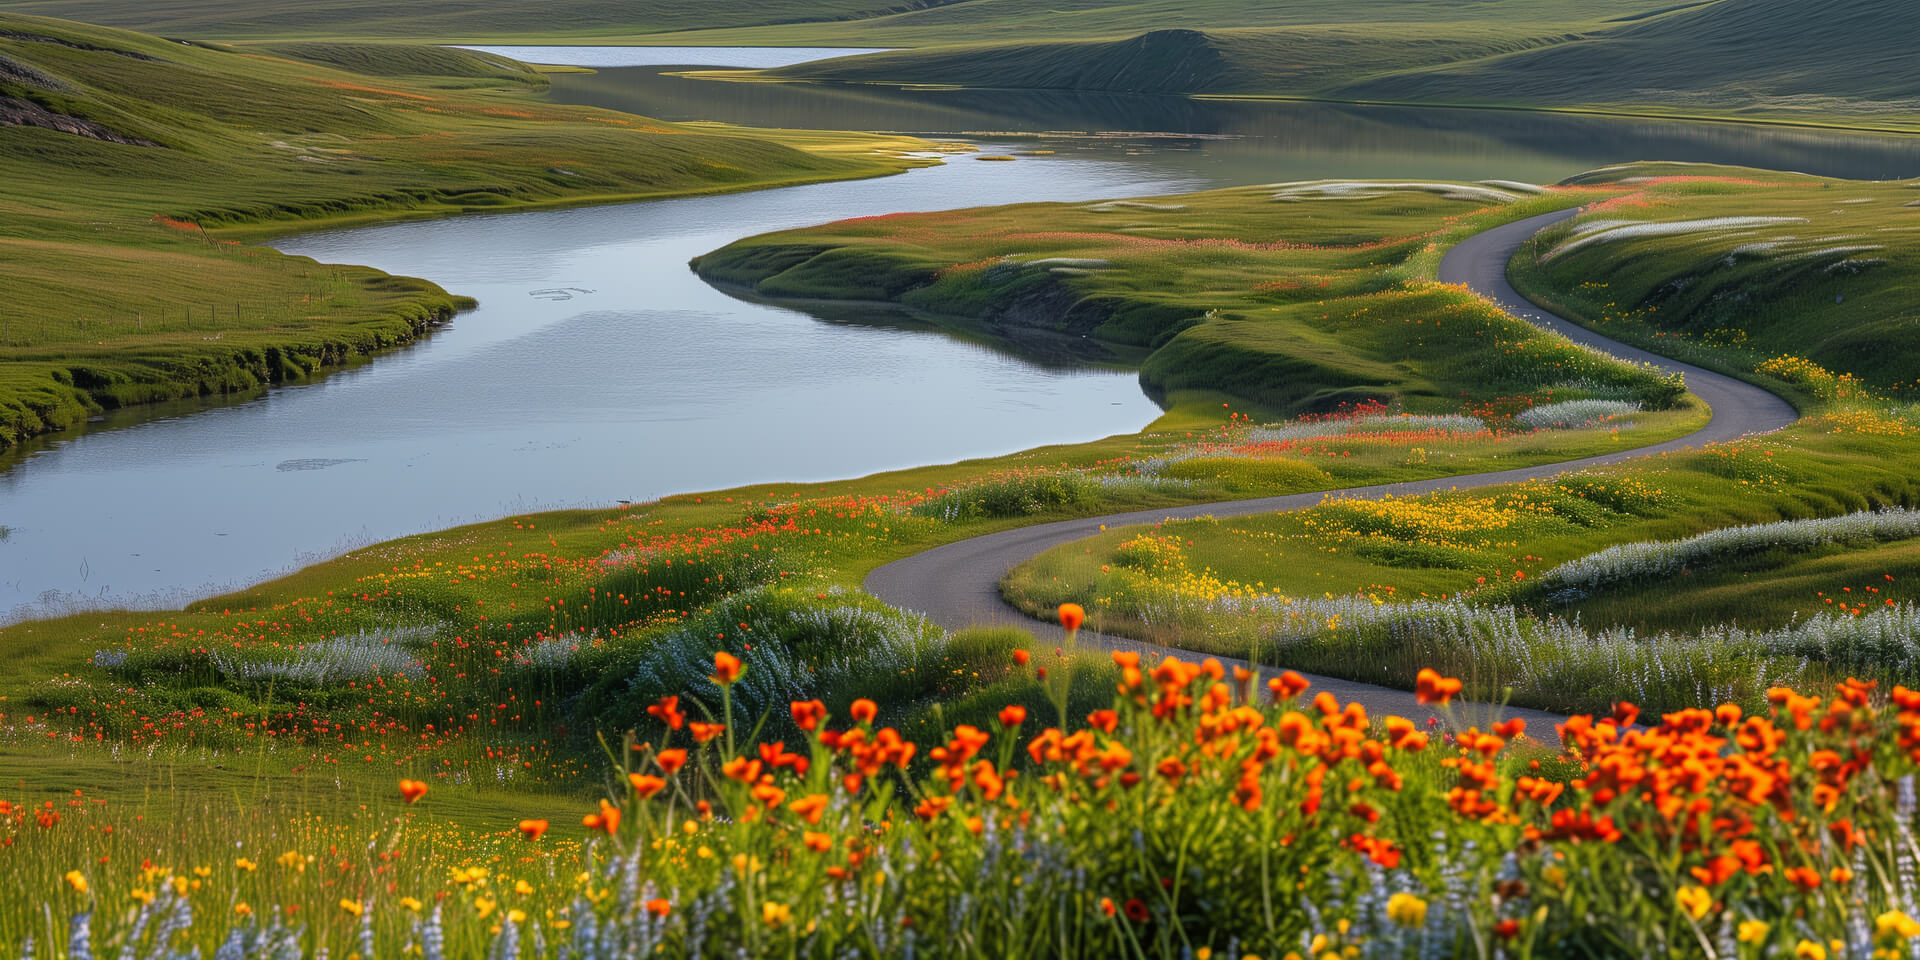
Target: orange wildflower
1072, 615
1431, 687
726, 667
671, 760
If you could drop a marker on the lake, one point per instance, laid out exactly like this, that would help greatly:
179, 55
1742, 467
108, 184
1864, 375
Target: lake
599, 369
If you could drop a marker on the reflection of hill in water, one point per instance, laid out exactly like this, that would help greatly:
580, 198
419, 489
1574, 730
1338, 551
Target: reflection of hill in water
1288, 139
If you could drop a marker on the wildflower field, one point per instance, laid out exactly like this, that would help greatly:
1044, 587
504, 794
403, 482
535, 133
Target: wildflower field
680, 728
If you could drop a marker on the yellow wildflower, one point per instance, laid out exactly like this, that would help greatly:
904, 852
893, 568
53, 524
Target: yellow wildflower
1696, 901
1895, 925
1407, 910
76, 880
775, 914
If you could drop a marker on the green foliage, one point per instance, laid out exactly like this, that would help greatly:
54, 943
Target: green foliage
796, 646
1020, 496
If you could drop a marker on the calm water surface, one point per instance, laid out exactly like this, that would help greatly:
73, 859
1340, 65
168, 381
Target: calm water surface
758, 58
598, 368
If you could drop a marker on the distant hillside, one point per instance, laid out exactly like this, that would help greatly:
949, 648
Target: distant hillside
1252, 60
1779, 53
1785, 58
900, 23
438, 19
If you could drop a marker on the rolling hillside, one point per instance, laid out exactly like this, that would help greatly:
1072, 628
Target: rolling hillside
1854, 55
1248, 60
778, 22
1773, 58
433, 19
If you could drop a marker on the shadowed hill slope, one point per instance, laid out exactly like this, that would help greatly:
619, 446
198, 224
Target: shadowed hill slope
1180, 60
1782, 53
775, 22
1777, 58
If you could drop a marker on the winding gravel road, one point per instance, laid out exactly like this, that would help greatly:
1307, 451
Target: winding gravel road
958, 584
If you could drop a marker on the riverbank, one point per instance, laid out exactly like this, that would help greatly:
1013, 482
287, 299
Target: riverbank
126, 283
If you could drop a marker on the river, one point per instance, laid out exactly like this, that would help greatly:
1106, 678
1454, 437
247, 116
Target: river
599, 369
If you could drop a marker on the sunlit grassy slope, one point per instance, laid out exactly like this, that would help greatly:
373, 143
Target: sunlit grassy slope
121, 151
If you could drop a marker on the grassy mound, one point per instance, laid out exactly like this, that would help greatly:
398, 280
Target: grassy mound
131, 160
1736, 268
1256, 293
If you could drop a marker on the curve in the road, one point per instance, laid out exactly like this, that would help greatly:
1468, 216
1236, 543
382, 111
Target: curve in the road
958, 584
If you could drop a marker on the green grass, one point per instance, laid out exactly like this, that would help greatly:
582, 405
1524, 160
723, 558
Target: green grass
1833, 281
1247, 292
1408, 569
1765, 592
133, 163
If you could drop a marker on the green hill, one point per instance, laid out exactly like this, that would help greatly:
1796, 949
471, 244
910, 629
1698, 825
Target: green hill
1774, 58
1743, 54
130, 163
1247, 60
437, 19
776, 22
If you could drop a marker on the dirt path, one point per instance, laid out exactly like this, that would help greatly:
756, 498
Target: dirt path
958, 584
